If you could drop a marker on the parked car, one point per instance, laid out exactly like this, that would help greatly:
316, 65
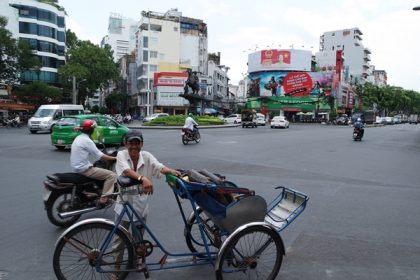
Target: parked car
260, 120
107, 132
155, 116
233, 118
279, 121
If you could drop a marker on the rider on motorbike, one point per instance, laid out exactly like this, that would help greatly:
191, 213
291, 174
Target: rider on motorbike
81, 149
360, 126
190, 123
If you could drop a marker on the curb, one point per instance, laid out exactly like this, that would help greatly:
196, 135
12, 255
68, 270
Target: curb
179, 127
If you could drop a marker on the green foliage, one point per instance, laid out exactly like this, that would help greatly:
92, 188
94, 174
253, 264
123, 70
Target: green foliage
179, 120
94, 109
15, 56
38, 93
87, 61
388, 100
114, 102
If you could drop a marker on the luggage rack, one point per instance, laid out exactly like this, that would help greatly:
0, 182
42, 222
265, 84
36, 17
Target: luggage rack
286, 207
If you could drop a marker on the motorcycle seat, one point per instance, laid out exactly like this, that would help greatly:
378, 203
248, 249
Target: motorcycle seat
70, 178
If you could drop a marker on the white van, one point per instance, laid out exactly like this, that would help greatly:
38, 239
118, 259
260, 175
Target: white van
47, 115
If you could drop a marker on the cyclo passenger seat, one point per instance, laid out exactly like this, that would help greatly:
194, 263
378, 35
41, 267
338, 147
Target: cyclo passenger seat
226, 204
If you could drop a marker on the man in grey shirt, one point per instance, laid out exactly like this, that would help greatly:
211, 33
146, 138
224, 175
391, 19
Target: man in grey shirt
81, 149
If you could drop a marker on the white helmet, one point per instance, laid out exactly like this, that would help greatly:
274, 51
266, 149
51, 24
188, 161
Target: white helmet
359, 119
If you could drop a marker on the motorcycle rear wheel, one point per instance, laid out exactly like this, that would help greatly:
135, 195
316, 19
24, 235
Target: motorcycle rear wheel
60, 202
184, 139
197, 137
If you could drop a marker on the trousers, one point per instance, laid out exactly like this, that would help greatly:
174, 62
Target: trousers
102, 174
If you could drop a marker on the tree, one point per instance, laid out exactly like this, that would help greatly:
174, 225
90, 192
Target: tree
86, 61
38, 93
388, 99
15, 56
114, 102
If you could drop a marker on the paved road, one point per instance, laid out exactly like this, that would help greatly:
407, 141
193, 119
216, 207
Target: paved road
361, 221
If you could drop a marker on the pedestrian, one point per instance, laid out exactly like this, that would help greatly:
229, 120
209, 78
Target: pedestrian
141, 166
82, 148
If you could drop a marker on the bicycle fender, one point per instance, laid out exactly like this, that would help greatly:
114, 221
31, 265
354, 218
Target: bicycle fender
92, 221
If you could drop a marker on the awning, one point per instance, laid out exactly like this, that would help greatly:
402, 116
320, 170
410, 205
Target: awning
292, 109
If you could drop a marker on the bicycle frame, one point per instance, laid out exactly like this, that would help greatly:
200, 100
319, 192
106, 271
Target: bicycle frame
190, 259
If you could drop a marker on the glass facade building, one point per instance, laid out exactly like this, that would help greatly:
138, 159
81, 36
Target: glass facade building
43, 26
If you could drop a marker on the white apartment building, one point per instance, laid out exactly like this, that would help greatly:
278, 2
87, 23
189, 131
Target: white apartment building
356, 56
220, 86
167, 42
121, 35
43, 26
379, 78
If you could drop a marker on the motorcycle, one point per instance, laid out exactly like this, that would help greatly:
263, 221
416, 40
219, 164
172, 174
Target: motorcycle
69, 195
357, 134
188, 135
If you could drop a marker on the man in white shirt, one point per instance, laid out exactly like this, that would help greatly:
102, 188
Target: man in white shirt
81, 149
142, 166
190, 122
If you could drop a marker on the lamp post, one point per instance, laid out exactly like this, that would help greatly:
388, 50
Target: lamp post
76, 89
416, 8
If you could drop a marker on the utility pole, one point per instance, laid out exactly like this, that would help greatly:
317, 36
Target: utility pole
74, 91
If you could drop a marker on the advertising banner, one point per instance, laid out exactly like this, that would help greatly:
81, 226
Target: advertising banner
283, 60
283, 83
168, 86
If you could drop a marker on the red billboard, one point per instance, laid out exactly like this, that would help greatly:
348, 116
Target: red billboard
297, 84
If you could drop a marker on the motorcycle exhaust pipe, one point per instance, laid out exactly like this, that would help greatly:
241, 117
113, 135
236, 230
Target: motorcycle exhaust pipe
76, 212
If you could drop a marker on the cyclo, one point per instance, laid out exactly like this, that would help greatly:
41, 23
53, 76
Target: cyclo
229, 227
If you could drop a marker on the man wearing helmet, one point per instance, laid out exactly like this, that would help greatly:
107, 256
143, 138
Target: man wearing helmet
190, 123
359, 125
81, 149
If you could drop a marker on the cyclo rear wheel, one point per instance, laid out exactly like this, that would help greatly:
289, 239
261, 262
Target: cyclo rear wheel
255, 252
77, 253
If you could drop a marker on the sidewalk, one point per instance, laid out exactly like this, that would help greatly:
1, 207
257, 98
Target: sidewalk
139, 125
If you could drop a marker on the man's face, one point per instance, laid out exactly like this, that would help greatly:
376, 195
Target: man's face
133, 147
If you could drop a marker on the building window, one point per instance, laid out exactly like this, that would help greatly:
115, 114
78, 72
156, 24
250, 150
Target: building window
145, 56
61, 22
145, 42
61, 36
155, 27
153, 54
153, 68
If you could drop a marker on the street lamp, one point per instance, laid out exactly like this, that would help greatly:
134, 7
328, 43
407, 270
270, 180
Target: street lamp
416, 8
76, 89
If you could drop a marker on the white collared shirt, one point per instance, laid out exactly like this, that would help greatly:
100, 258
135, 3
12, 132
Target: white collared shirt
147, 166
81, 149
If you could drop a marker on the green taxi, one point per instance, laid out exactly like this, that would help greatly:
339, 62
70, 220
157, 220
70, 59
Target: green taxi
107, 132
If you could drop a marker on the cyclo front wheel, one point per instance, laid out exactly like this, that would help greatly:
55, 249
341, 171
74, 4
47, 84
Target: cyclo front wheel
78, 253
193, 236
255, 252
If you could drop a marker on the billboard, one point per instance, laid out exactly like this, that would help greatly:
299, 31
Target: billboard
294, 84
168, 86
281, 60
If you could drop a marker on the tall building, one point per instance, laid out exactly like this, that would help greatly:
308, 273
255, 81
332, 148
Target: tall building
42, 25
167, 42
121, 35
356, 56
379, 78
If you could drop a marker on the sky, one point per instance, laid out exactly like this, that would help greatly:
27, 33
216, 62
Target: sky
391, 29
